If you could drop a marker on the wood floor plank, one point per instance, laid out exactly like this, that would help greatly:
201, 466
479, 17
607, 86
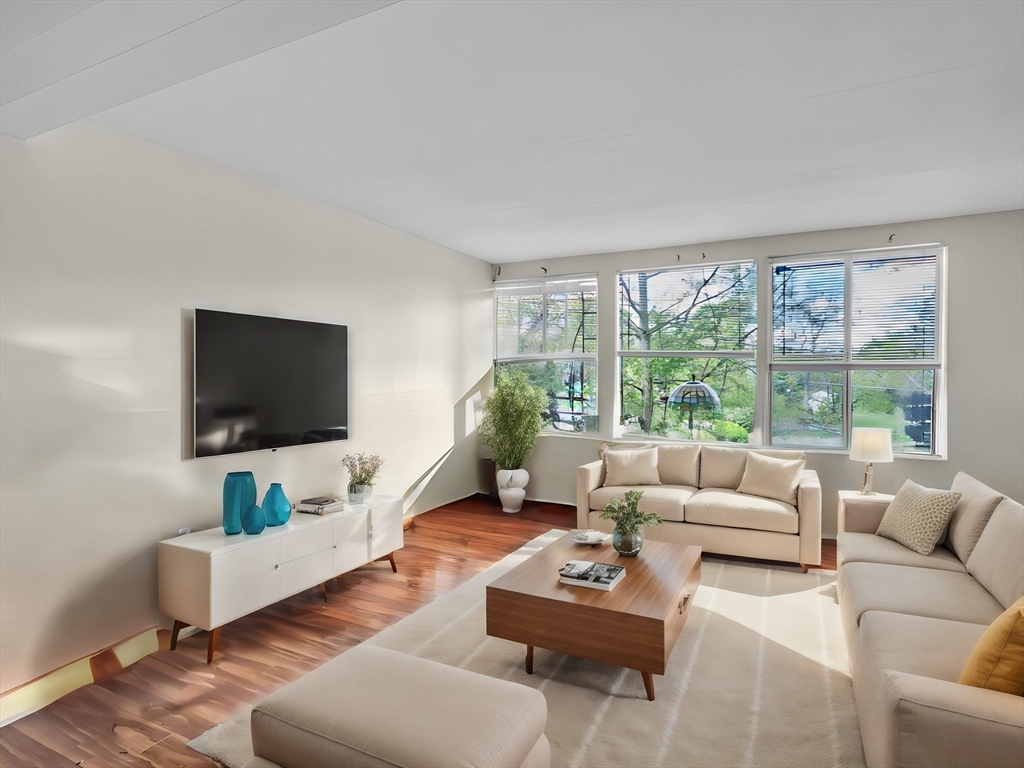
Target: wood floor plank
145, 715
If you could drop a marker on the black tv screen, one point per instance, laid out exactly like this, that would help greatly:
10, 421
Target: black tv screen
264, 382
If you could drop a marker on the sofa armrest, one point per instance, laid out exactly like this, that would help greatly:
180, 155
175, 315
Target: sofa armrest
862, 514
938, 722
588, 478
808, 506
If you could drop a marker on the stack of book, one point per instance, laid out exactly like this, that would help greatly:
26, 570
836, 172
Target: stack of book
580, 573
320, 505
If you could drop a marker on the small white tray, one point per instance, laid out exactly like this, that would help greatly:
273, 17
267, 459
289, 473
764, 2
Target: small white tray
591, 537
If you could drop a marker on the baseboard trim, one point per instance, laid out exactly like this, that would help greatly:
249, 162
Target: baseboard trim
96, 667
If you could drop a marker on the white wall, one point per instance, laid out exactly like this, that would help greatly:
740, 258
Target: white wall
985, 352
105, 240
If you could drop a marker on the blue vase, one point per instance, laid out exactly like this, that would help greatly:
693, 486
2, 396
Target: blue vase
253, 520
239, 495
276, 506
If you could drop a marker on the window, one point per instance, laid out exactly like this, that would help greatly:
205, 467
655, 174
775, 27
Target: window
856, 343
687, 349
548, 328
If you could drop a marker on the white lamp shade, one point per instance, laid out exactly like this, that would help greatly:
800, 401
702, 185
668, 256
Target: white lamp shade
871, 445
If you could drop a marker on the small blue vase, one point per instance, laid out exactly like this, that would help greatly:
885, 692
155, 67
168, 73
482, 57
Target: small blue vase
239, 495
253, 520
276, 506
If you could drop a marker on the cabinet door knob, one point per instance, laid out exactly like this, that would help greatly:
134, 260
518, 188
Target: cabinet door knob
335, 546
277, 566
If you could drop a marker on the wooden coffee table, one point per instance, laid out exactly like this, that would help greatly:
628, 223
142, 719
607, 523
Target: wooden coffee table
636, 625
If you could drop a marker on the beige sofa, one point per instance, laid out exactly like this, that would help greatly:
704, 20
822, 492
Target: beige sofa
698, 504
912, 621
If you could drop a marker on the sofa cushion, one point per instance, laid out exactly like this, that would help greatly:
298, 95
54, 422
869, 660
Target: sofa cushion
917, 516
916, 591
666, 501
869, 548
631, 467
722, 506
996, 560
997, 661
679, 464
772, 478
373, 706
917, 645
971, 514
721, 467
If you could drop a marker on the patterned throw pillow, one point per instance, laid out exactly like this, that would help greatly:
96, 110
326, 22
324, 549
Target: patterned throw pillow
917, 516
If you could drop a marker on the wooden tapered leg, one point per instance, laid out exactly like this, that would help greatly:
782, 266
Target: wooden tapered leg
805, 567
178, 626
323, 588
529, 659
212, 646
649, 685
391, 559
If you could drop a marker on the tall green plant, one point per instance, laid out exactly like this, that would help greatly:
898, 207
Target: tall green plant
512, 419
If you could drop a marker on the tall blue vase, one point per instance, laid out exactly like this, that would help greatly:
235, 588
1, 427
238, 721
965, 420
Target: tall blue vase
239, 495
276, 506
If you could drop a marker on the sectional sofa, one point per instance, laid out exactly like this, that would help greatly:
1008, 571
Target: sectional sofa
698, 503
911, 622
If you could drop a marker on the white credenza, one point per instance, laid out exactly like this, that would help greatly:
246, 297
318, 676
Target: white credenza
207, 579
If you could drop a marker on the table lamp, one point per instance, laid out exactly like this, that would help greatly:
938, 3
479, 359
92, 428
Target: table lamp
870, 445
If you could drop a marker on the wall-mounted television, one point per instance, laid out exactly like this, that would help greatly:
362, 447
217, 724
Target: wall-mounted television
266, 382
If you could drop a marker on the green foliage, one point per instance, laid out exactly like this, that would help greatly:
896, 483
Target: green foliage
730, 432
362, 469
512, 418
627, 515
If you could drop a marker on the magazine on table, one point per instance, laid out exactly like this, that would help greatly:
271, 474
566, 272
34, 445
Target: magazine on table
581, 573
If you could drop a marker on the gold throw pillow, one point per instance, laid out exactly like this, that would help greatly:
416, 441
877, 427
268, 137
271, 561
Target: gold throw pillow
997, 661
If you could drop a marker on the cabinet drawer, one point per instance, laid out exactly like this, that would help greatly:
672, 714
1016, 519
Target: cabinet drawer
305, 542
244, 580
306, 572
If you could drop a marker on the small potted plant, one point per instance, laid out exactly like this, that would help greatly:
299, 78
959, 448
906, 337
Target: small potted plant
362, 470
511, 423
627, 538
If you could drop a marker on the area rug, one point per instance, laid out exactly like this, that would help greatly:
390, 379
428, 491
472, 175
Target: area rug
759, 677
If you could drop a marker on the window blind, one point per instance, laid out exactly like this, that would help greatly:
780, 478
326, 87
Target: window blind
893, 309
556, 316
808, 310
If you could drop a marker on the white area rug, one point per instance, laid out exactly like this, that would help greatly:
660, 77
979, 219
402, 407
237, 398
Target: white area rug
759, 677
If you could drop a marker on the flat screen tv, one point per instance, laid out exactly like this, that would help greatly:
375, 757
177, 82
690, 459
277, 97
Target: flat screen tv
264, 382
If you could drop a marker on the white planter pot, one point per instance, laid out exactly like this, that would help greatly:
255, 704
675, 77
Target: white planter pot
512, 488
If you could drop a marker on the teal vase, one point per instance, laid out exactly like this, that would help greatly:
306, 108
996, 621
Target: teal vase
276, 506
253, 520
239, 495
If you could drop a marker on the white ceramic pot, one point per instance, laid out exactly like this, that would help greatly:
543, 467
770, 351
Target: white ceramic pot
512, 488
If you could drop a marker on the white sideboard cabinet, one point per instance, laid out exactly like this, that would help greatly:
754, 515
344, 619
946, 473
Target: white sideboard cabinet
207, 579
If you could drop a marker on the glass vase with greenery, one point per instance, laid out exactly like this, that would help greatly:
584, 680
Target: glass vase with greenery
627, 538
362, 471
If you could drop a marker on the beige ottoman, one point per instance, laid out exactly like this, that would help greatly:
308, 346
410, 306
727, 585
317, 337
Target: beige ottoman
374, 707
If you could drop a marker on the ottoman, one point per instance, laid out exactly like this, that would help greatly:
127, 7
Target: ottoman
375, 707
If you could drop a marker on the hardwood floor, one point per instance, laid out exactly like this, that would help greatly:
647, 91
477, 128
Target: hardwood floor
145, 716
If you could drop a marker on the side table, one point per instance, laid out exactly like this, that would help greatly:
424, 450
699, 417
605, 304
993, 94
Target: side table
861, 513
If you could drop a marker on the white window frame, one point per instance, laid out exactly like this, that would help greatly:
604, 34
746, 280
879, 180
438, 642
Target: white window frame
743, 354
545, 356
847, 365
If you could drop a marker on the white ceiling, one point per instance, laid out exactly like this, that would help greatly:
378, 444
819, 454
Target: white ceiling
520, 130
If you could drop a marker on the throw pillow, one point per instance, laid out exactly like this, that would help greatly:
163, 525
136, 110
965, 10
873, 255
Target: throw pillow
997, 661
917, 516
631, 468
771, 478
971, 514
